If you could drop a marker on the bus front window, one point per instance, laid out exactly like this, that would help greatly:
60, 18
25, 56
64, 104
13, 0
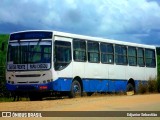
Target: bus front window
40, 53
29, 54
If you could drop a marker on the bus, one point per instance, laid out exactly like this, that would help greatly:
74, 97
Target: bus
42, 63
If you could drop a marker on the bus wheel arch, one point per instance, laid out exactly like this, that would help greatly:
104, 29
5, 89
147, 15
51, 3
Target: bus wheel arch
130, 89
78, 85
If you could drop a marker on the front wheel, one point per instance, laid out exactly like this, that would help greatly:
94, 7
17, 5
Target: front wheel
76, 89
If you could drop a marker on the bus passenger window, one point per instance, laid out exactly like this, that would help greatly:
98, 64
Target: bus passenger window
121, 55
150, 58
62, 54
79, 50
141, 57
107, 53
93, 52
132, 56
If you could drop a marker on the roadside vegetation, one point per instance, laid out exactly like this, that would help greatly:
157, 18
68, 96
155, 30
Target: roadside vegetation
4, 94
153, 85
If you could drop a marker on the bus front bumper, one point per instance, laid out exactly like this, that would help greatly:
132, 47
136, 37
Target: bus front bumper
30, 87
61, 84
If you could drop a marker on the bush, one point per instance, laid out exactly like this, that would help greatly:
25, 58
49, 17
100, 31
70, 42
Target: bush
152, 85
142, 87
3, 90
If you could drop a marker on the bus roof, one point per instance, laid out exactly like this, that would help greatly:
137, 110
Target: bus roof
70, 35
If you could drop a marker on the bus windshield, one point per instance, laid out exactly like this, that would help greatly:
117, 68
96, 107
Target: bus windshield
29, 55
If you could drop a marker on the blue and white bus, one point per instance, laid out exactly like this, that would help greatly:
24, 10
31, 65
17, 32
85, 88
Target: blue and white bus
47, 62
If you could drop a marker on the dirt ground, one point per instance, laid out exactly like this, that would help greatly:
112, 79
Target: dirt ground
149, 102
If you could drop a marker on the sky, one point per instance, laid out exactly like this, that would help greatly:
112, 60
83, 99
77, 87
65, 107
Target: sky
135, 21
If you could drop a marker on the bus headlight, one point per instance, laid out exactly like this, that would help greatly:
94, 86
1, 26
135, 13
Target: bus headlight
12, 82
44, 81
48, 81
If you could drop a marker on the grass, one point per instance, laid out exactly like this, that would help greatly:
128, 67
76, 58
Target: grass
10, 99
5, 99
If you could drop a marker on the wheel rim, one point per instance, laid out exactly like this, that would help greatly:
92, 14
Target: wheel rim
76, 88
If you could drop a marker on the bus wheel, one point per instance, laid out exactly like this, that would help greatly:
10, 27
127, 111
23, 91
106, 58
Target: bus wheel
130, 89
75, 89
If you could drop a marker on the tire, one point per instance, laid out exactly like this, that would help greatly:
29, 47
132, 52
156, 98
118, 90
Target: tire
76, 89
130, 89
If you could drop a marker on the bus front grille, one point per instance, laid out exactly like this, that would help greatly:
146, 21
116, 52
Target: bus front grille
31, 75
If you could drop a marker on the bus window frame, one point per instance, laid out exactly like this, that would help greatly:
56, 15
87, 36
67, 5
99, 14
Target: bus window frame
132, 56
106, 53
149, 66
89, 41
141, 57
126, 55
85, 52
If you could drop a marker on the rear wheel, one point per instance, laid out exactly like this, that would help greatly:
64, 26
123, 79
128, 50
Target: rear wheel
76, 89
130, 89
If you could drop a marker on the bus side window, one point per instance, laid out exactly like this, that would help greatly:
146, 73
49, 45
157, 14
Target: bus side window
141, 57
107, 53
150, 58
132, 56
79, 50
121, 55
93, 52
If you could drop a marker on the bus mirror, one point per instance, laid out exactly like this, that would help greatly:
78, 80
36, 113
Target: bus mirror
2, 47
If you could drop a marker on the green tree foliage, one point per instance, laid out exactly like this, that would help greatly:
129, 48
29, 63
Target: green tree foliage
4, 41
3, 51
158, 68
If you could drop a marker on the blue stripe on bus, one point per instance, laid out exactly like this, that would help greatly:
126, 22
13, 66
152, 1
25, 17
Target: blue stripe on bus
89, 85
98, 85
28, 87
62, 84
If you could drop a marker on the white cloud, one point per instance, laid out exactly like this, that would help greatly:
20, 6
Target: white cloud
114, 18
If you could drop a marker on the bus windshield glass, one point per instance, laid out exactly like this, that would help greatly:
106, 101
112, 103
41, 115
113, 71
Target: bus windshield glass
29, 55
